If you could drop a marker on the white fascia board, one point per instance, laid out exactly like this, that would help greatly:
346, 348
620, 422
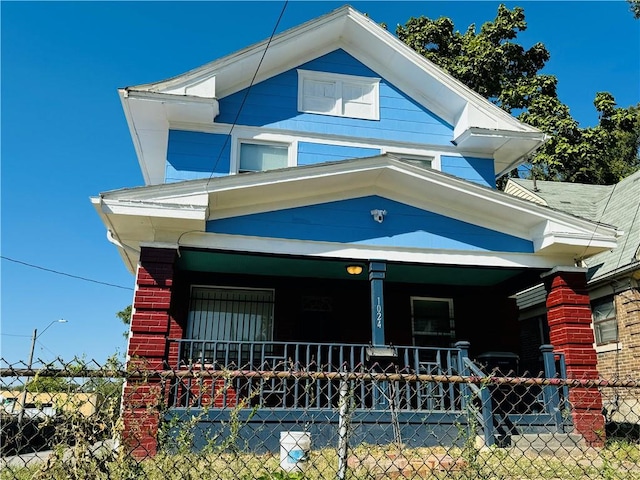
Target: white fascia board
551, 236
244, 194
281, 246
509, 148
148, 116
154, 209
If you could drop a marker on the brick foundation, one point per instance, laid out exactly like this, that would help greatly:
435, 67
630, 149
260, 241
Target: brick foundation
151, 325
569, 318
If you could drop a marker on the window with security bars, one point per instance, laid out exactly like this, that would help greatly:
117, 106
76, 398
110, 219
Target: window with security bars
220, 316
605, 324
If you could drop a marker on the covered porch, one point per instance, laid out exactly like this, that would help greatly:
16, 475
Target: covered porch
273, 337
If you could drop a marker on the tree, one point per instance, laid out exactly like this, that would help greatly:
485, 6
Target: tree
125, 317
503, 71
635, 8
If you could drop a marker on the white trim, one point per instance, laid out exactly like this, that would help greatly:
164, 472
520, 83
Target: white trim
291, 145
339, 81
329, 139
280, 246
608, 347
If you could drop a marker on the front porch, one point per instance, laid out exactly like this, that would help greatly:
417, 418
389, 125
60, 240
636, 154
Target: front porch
414, 395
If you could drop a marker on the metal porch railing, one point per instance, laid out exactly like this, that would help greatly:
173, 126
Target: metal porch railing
319, 393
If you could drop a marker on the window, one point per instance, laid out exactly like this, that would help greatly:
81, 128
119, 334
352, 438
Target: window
220, 316
418, 160
258, 157
230, 314
338, 95
605, 324
432, 321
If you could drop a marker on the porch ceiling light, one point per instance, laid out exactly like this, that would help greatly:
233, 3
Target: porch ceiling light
354, 269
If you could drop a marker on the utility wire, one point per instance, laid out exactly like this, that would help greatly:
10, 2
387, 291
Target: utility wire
57, 272
248, 89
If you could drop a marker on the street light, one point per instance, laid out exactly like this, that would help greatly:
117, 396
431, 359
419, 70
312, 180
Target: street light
33, 346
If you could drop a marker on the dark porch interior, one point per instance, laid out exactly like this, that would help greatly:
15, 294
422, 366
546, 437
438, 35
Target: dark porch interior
316, 300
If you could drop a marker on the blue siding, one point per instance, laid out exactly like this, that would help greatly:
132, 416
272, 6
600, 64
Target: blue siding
192, 155
479, 170
273, 103
350, 221
312, 153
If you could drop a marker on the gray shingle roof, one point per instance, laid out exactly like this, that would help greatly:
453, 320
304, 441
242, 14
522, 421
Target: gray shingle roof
617, 205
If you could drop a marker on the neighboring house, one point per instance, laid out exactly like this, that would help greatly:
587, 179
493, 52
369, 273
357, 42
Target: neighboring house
345, 198
613, 280
47, 404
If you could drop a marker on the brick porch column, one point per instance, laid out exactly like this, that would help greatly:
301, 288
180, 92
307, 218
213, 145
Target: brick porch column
151, 326
569, 318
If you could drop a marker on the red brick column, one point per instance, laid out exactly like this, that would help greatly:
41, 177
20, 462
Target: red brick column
151, 326
569, 318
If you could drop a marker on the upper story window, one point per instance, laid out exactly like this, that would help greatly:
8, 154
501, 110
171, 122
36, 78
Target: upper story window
605, 324
419, 160
258, 157
338, 95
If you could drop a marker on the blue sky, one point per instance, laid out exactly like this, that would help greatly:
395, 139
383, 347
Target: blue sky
64, 137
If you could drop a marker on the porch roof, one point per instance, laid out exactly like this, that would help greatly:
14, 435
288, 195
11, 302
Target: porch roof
175, 215
510, 280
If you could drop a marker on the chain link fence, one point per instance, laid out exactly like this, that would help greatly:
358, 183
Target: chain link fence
81, 420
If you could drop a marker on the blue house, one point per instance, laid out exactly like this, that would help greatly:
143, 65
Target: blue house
325, 201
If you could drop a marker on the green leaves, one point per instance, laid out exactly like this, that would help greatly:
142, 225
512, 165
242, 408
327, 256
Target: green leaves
493, 64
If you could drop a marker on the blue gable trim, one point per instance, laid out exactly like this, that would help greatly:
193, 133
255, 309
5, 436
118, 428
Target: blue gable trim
312, 153
350, 221
192, 155
478, 170
273, 103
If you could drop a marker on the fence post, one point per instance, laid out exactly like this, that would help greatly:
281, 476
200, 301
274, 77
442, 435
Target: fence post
484, 394
463, 352
549, 392
343, 429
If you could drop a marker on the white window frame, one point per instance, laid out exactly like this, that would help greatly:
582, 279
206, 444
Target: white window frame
414, 159
235, 154
340, 80
452, 327
611, 319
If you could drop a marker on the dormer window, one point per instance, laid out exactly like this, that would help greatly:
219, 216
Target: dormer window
338, 95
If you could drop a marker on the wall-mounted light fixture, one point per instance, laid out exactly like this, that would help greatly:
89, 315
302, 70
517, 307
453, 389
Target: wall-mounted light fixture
354, 269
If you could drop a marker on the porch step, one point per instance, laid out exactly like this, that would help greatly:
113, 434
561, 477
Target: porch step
541, 443
548, 443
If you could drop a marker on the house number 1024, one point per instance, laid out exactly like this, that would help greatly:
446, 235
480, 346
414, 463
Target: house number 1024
379, 314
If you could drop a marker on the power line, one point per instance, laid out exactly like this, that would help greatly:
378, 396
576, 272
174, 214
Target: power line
246, 93
57, 272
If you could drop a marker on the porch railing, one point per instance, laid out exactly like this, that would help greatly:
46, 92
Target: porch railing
304, 393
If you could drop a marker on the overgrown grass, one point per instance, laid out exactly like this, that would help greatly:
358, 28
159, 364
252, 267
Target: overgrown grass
617, 460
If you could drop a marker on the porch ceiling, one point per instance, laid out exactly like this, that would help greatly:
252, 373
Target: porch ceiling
235, 263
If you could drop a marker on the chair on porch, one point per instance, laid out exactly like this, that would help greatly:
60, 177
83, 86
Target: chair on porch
430, 394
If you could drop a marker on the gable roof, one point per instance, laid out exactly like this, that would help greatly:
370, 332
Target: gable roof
192, 97
617, 205
177, 213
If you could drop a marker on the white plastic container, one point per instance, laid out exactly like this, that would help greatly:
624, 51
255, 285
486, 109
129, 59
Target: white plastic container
294, 450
